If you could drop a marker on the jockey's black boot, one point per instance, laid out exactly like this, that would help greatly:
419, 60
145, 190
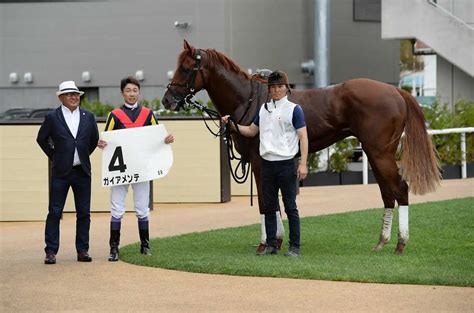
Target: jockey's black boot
145, 242
114, 245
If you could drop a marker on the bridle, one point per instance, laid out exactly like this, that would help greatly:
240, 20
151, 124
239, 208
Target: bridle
183, 99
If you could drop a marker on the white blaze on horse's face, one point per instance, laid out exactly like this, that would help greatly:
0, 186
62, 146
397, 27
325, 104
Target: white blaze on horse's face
278, 91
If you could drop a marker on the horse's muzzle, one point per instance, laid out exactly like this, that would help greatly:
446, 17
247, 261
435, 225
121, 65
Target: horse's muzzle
172, 104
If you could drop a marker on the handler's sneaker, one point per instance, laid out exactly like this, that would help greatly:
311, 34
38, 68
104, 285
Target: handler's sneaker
293, 251
267, 251
83, 256
50, 258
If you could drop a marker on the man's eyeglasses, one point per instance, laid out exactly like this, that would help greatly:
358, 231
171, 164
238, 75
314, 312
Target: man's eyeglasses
71, 94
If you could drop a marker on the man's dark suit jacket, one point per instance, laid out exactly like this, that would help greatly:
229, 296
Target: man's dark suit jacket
57, 141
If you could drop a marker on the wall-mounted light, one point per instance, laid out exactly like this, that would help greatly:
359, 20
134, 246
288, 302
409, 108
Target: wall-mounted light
28, 77
179, 24
170, 74
86, 76
307, 67
14, 78
140, 75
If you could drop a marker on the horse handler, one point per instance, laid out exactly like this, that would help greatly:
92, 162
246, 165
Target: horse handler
130, 115
282, 127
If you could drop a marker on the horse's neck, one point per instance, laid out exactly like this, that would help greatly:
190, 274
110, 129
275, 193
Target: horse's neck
230, 93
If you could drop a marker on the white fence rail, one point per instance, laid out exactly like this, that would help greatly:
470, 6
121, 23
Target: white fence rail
462, 131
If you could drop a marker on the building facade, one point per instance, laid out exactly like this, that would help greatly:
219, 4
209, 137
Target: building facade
96, 43
447, 27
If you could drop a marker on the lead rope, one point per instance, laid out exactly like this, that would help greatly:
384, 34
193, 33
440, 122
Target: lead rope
245, 167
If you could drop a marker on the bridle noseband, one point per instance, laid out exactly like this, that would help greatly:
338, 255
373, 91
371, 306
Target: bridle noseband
181, 99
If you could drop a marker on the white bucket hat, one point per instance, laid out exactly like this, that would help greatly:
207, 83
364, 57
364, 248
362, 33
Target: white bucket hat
67, 87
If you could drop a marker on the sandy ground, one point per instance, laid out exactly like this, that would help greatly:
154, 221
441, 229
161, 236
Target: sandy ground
26, 284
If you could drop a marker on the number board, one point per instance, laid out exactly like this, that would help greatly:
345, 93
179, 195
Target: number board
135, 155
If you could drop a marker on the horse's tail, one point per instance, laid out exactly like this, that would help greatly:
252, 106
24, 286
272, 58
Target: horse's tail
419, 163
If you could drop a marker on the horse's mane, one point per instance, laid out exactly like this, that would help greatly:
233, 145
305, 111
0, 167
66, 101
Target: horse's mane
216, 57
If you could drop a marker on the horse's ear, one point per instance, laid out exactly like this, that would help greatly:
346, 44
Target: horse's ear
188, 47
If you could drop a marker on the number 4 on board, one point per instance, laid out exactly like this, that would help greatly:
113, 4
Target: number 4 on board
117, 158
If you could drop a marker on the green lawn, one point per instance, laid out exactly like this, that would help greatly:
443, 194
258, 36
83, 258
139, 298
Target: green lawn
335, 247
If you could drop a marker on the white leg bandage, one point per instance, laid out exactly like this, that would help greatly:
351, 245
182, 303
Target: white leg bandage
403, 224
263, 232
280, 228
387, 224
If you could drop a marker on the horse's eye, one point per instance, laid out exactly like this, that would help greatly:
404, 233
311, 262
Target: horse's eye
185, 71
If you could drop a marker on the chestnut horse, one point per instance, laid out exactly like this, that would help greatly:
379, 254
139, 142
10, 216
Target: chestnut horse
374, 112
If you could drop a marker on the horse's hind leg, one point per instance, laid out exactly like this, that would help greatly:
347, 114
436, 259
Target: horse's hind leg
389, 204
392, 188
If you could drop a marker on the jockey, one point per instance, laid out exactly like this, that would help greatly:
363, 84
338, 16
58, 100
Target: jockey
130, 115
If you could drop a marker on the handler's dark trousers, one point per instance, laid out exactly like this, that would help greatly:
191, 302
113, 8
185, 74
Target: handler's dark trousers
280, 175
81, 187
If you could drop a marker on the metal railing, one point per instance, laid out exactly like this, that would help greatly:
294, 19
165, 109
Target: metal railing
446, 12
462, 131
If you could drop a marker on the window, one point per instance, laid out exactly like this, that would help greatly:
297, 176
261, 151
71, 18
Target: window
367, 10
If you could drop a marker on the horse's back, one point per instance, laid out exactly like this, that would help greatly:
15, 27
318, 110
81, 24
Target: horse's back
361, 107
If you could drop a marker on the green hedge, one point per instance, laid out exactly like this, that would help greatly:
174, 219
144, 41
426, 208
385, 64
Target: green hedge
439, 116
102, 109
98, 108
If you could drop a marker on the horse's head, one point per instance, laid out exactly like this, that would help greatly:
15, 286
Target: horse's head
187, 79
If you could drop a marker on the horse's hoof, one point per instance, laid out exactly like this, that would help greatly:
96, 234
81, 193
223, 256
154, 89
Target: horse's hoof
279, 243
378, 247
261, 247
400, 248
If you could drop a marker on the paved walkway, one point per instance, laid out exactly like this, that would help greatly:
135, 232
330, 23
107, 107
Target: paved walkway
26, 284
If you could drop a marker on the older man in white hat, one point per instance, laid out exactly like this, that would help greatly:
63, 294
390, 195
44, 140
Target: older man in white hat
68, 136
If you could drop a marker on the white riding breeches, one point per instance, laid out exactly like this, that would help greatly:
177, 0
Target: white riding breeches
141, 198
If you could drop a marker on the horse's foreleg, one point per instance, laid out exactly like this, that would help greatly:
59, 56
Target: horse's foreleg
256, 163
280, 230
263, 231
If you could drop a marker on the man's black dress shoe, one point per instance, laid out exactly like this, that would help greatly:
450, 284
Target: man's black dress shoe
50, 258
83, 256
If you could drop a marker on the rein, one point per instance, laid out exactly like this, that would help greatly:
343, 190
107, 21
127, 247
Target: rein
225, 133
